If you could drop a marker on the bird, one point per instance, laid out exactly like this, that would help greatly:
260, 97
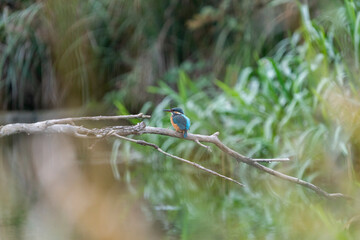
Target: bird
180, 122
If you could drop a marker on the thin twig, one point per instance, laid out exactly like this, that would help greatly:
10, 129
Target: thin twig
96, 118
270, 159
144, 143
207, 147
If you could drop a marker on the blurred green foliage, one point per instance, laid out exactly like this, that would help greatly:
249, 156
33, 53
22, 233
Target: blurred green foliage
269, 90
283, 106
57, 54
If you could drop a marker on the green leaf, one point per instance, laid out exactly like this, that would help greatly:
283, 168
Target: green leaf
183, 79
228, 90
123, 111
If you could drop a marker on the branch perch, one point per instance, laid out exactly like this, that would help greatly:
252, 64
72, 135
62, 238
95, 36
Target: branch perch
67, 126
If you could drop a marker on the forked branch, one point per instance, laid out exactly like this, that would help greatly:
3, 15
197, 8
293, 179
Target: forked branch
144, 143
67, 126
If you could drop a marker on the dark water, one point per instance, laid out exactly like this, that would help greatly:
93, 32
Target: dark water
58, 187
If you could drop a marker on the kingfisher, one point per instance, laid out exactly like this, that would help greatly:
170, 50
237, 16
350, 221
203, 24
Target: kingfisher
180, 122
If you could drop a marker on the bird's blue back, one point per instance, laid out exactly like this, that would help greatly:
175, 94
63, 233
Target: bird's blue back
182, 121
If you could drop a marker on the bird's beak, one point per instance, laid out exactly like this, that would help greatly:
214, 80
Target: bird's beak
167, 110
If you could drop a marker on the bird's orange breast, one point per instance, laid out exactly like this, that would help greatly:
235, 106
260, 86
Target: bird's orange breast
175, 125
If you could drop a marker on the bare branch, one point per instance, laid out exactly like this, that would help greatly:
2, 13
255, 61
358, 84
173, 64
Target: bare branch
215, 140
41, 127
207, 147
78, 131
270, 159
57, 126
144, 143
96, 118
283, 176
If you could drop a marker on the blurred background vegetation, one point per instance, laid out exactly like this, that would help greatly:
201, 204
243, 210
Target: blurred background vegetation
276, 78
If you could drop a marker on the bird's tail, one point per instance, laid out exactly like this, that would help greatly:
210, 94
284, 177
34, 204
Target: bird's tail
185, 133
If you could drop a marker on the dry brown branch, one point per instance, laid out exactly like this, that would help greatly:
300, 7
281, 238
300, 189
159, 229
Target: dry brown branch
144, 143
96, 118
215, 140
207, 147
270, 159
56, 126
